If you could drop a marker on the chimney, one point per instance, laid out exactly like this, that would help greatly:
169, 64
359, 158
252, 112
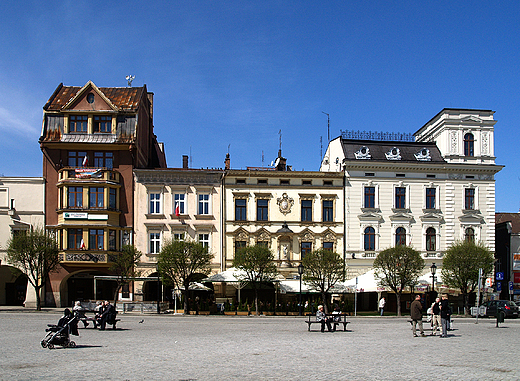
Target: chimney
227, 162
185, 161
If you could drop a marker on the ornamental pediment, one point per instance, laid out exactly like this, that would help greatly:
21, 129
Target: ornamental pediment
370, 217
432, 217
472, 118
402, 216
471, 218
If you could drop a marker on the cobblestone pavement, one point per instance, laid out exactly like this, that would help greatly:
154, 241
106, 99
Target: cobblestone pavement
168, 347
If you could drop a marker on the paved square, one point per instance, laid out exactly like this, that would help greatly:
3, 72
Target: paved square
168, 347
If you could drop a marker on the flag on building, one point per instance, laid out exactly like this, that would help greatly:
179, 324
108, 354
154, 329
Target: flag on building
177, 209
85, 161
82, 245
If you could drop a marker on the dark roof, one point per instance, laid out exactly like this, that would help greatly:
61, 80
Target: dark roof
125, 98
514, 218
379, 149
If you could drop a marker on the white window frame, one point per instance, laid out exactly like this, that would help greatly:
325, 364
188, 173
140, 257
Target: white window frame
156, 203
437, 195
156, 250
406, 196
182, 203
476, 196
206, 243
376, 195
208, 202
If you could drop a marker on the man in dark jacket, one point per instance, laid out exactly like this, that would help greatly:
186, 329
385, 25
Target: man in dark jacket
416, 315
445, 315
108, 315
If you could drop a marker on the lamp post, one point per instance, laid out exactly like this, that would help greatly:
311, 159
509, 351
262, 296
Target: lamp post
300, 273
433, 269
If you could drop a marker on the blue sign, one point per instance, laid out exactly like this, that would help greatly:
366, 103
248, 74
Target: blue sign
499, 286
510, 285
500, 276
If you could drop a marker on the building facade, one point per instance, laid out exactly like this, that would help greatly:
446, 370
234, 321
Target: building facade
507, 255
427, 191
176, 203
92, 139
21, 209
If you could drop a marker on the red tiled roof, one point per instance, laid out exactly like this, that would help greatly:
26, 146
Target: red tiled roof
514, 218
125, 98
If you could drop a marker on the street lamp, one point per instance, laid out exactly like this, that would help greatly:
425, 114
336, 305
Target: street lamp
433, 269
300, 273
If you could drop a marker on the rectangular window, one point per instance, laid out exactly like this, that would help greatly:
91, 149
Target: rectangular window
75, 197
239, 245
370, 197
155, 203
112, 198
112, 240
204, 203
430, 198
284, 182
96, 239
76, 158
328, 246
240, 209
78, 123
204, 239
178, 203
306, 210
74, 237
155, 243
400, 197
178, 236
306, 248
469, 199
262, 207
328, 210
96, 197
103, 123
104, 160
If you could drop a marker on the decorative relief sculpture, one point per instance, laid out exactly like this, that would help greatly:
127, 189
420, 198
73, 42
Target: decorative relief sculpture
285, 203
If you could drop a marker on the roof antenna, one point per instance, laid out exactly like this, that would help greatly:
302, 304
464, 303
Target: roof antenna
328, 126
280, 133
130, 78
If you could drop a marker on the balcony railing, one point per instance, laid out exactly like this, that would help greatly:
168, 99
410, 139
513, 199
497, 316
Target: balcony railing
88, 173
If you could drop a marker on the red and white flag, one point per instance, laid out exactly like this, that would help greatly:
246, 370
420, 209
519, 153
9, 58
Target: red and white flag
85, 161
177, 209
82, 245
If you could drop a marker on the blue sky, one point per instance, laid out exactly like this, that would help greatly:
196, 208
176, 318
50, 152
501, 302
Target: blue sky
234, 73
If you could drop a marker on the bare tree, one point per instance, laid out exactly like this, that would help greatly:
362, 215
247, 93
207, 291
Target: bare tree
124, 266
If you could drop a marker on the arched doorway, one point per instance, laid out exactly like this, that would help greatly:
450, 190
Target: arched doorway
13, 286
150, 291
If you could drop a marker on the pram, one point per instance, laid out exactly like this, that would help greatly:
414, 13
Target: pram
59, 334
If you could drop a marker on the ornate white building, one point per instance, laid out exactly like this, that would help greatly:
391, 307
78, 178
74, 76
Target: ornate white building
425, 192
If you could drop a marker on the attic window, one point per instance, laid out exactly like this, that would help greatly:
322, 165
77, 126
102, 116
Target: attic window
90, 98
393, 154
327, 182
423, 155
363, 153
241, 181
103, 124
284, 182
262, 181
306, 182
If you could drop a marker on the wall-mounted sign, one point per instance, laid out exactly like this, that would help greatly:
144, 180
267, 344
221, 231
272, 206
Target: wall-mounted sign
75, 216
98, 217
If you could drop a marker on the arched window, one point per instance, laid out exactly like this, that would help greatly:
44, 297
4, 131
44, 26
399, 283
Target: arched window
400, 237
370, 239
469, 142
470, 235
430, 239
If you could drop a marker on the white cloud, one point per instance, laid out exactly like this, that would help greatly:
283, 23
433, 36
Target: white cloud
12, 124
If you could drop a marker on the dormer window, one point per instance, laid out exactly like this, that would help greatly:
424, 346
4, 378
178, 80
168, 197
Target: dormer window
363, 153
393, 154
423, 155
78, 123
103, 124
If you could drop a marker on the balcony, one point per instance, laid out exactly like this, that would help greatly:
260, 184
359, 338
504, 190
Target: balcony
86, 257
87, 174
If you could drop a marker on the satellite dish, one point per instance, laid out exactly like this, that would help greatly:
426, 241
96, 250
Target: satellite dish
130, 78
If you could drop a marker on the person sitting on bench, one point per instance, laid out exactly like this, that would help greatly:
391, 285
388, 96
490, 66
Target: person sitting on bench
321, 317
108, 315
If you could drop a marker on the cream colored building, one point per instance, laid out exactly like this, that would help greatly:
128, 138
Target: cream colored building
426, 192
290, 212
21, 208
180, 204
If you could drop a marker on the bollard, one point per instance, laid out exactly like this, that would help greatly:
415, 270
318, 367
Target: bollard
500, 317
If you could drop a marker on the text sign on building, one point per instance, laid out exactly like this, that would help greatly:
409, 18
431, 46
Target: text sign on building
75, 216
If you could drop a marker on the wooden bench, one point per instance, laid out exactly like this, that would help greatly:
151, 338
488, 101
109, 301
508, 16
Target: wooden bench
96, 322
338, 319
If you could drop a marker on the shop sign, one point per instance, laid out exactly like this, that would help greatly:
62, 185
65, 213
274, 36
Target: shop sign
75, 216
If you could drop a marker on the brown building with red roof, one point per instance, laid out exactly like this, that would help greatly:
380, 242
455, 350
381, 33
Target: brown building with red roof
92, 138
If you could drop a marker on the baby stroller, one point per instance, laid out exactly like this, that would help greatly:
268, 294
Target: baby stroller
59, 334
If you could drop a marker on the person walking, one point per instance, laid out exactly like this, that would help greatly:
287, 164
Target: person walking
416, 315
382, 303
445, 315
436, 316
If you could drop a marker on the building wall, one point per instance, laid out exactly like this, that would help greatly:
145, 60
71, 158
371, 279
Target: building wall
24, 212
